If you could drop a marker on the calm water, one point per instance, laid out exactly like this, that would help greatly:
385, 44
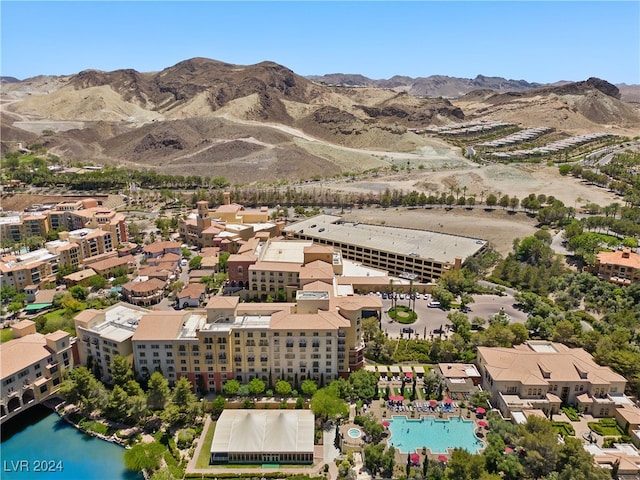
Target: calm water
40, 440
437, 435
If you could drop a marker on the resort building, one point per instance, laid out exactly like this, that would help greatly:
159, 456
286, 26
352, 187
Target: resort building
318, 337
144, 291
103, 334
31, 367
228, 227
158, 249
621, 267
16, 228
461, 379
75, 215
406, 253
87, 213
542, 375
32, 268
263, 436
191, 296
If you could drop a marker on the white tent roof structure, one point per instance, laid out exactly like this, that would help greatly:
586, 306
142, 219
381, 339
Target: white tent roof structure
407, 369
251, 431
394, 369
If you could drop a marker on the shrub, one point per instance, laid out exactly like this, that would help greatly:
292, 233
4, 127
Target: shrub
571, 413
185, 438
563, 428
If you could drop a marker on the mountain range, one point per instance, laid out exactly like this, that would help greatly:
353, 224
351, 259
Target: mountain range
264, 122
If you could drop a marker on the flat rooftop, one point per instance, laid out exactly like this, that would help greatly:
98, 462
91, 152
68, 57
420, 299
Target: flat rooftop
284, 251
441, 247
120, 323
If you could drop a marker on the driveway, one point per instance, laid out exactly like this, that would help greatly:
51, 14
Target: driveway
430, 319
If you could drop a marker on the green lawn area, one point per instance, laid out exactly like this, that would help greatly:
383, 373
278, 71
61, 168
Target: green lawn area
564, 428
205, 451
6, 335
606, 427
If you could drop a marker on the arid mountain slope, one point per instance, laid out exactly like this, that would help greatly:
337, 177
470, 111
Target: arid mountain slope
263, 122
580, 106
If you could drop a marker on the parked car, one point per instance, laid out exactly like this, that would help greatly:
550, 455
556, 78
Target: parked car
407, 330
433, 304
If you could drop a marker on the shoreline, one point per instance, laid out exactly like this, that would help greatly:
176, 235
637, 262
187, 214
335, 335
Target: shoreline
58, 406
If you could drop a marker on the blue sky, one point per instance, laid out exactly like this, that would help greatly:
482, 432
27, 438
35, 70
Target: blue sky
543, 41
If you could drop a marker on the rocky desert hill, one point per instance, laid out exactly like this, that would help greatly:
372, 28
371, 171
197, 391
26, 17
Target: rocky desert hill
577, 107
431, 86
263, 122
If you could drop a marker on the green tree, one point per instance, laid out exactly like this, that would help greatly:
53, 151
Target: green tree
222, 261
326, 403
121, 371
364, 384
256, 386
283, 388
195, 263
158, 392
217, 405
309, 387
79, 292
97, 282
231, 387
183, 397
118, 408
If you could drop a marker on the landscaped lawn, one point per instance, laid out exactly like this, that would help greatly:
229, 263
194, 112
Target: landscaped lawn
205, 450
606, 427
6, 335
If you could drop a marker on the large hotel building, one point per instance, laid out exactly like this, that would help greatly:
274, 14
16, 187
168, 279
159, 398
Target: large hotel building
319, 336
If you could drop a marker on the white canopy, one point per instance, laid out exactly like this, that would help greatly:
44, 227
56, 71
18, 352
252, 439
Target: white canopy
394, 369
277, 431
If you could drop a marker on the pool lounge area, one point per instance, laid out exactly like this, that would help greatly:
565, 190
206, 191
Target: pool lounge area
437, 435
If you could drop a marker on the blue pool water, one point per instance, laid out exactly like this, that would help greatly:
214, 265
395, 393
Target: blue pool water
40, 440
437, 435
354, 433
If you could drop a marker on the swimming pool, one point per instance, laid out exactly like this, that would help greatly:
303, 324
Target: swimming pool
354, 433
437, 435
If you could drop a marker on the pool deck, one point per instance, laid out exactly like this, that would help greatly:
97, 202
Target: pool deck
381, 412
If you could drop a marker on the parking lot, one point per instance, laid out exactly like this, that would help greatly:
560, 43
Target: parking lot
431, 320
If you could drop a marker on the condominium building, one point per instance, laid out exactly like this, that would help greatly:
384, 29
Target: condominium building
406, 253
31, 367
87, 213
103, 334
67, 216
17, 228
542, 375
319, 337
622, 266
32, 268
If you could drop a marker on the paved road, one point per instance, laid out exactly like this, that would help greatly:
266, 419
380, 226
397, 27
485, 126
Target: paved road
557, 244
430, 319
